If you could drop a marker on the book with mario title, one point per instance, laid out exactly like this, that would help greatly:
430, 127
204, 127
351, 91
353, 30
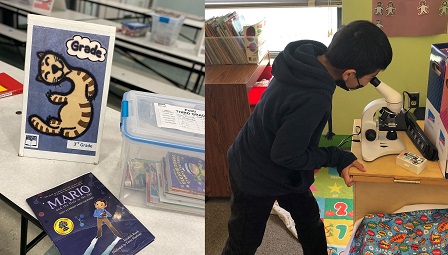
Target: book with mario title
82, 216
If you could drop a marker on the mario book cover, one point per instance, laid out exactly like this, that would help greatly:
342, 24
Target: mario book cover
82, 216
67, 74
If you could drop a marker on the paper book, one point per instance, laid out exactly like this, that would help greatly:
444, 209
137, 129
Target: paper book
67, 74
185, 175
254, 41
82, 216
156, 185
155, 195
173, 198
135, 176
152, 187
254, 29
9, 86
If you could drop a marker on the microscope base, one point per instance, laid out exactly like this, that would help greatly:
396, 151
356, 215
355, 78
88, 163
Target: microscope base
372, 150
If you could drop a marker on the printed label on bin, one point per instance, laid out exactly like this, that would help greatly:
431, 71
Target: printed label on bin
180, 118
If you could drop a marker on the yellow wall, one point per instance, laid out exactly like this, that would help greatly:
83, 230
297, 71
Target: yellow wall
407, 72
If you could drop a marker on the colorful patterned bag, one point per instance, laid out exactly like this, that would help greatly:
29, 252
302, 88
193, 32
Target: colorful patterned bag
417, 232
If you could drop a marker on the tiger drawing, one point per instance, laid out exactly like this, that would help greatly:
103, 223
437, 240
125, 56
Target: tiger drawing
76, 111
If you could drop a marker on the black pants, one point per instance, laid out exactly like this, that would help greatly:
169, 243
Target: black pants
249, 215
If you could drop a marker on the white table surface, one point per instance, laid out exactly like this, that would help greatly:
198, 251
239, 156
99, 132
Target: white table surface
16, 34
22, 177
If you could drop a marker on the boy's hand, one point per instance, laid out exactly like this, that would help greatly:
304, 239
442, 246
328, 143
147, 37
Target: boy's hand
348, 179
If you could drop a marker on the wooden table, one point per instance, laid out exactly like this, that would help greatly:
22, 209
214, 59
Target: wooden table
227, 108
386, 187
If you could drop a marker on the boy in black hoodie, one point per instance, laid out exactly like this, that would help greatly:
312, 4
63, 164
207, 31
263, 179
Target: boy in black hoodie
276, 151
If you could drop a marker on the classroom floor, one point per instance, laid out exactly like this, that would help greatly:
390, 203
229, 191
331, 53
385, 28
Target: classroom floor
9, 218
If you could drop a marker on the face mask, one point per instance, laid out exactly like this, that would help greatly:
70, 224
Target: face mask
342, 85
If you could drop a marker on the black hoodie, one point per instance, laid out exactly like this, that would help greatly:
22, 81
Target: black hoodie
276, 151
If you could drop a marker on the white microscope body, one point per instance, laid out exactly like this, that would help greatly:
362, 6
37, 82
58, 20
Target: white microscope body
374, 143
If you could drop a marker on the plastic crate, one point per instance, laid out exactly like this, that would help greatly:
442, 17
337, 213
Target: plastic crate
134, 28
157, 130
165, 29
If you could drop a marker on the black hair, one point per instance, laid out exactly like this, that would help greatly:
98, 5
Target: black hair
360, 45
101, 200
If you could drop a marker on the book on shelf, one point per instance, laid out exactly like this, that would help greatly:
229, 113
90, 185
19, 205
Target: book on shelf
82, 216
229, 40
9, 86
255, 29
230, 24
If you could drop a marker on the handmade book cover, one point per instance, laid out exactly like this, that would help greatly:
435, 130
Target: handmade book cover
67, 73
9, 86
185, 175
82, 216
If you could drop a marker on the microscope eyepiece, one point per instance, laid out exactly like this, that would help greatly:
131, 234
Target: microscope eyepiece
375, 82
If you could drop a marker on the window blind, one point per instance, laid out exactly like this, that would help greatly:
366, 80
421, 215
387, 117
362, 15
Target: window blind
270, 3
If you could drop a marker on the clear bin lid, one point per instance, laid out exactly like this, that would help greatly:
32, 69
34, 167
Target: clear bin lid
163, 120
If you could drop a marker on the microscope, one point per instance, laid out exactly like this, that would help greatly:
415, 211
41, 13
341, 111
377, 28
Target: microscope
374, 143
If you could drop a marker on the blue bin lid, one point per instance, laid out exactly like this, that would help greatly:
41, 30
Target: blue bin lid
134, 24
138, 121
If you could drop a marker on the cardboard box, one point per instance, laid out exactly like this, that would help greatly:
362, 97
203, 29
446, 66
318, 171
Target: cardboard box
157, 129
436, 115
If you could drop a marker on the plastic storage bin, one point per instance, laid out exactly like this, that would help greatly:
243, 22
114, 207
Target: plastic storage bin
134, 28
163, 154
166, 28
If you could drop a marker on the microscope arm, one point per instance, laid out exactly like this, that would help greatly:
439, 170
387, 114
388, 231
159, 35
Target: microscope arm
393, 98
374, 144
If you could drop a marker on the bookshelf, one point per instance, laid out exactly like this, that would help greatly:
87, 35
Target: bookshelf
227, 108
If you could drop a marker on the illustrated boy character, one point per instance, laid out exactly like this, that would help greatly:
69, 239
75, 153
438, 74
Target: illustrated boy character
101, 214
